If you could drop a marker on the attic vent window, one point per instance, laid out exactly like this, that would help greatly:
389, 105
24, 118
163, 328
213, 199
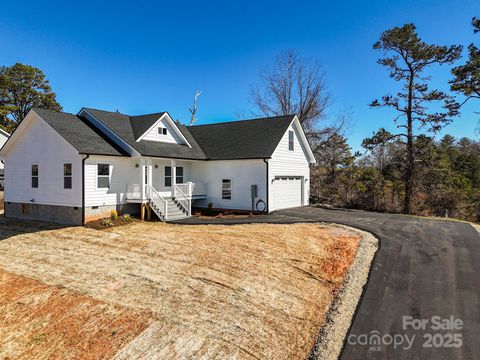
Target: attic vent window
291, 140
162, 131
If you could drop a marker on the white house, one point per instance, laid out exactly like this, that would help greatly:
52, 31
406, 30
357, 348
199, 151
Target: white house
75, 168
3, 139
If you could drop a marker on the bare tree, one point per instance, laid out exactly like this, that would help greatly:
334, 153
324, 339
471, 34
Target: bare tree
194, 110
294, 85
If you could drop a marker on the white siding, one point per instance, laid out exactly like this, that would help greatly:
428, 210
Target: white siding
42, 145
171, 136
158, 174
122, 173
3, 140
243, 174
289, 163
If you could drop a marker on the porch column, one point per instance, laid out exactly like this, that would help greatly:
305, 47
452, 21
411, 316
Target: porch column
174, 175
150, 173
143, 183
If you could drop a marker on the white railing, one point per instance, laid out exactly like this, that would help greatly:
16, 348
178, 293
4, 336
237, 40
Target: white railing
183, 199
134, 192
198, 189
192, 189
185, 188
158, 200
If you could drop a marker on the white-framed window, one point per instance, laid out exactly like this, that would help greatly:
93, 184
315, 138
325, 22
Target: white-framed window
34, 175
67, 176
103, 176
291, 138
178, 175
226, 189
162, 130
168, 176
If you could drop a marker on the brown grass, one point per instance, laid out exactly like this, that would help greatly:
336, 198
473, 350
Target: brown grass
251, 291
38, 321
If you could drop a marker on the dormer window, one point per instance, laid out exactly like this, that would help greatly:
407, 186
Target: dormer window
162, 131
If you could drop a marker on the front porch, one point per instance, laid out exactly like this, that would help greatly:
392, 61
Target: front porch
165, 186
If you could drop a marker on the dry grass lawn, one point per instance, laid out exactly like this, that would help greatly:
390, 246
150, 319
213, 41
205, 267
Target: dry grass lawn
247, 291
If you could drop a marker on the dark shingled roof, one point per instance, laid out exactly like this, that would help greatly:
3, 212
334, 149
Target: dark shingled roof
122, 125
246, 139
80, 133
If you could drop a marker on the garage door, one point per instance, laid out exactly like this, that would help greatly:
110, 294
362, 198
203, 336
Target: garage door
287, 192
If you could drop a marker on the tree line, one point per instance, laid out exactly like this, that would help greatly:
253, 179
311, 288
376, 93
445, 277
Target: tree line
408, 170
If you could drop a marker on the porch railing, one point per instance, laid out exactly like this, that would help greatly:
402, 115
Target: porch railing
192, 188
134, 192
158, 201
182, 198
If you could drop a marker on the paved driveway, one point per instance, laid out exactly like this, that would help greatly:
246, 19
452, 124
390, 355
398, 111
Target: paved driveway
424, 268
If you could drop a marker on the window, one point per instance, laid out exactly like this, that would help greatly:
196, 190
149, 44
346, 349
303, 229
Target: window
168, 176
162, 131
34, 176
67, 176
226, 189
179, 175
290, 140
103, 176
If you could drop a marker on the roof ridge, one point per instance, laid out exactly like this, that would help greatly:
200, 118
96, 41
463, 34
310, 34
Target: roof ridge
243, 120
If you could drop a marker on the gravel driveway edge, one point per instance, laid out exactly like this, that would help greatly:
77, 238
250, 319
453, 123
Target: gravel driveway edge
330, 340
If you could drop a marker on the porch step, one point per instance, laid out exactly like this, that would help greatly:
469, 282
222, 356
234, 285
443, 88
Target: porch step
174, 210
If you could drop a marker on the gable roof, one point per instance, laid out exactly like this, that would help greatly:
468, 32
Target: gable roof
245, 139
80, 133
130, 128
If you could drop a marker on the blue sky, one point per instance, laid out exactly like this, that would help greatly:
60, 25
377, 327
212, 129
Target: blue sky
141, 57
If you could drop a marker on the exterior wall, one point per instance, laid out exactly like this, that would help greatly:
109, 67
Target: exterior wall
285, 162
171, 136
41, 145
158, 174
67, 215
243, 174
123, 171
3, 140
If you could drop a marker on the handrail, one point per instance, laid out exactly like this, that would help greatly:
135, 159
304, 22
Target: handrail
153, 195
184, 200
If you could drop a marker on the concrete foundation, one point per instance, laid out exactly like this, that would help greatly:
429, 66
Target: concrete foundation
67, 215
58, 214
100, 212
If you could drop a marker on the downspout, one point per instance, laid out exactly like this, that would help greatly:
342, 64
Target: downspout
83, 188
267, 187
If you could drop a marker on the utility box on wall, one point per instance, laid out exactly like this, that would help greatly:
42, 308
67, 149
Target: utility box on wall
253, 190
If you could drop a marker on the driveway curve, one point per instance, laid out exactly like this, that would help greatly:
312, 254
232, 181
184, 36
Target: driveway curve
422, 300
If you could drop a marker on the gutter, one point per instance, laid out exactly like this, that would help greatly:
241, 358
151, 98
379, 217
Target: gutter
267, 187
83, 188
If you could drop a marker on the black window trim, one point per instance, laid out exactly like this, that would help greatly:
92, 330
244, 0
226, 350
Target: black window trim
224, 181
35, 184
291, 140
67, 176
103, 176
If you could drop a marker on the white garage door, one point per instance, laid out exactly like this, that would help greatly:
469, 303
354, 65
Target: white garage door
287, 192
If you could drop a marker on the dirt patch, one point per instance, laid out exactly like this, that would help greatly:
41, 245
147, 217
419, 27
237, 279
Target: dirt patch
332, 335
247, 291
38, 321
99, 224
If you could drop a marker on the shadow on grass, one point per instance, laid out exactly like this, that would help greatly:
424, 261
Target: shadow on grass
13, 227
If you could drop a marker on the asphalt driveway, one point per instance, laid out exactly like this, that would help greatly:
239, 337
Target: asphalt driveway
423, 269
